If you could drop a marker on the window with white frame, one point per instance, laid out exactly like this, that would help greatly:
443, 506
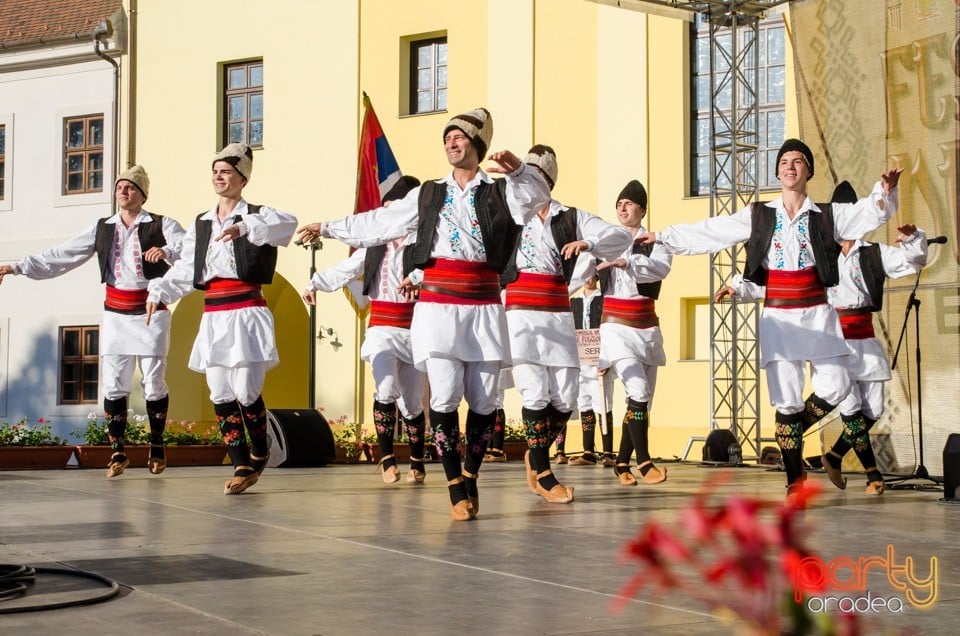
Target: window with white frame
771, 102
428, 75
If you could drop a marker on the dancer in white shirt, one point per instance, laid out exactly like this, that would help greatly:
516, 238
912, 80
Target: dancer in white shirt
792, 247
386, 347
466, 225
230, 252
132, 246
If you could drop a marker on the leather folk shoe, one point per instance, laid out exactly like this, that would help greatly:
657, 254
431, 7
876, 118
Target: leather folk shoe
118, 464
462, 511
875, 488
654, 475
587, 459
558, 494
835, 474
531, 474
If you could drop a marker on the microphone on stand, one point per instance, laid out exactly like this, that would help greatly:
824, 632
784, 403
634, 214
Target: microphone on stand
937, 239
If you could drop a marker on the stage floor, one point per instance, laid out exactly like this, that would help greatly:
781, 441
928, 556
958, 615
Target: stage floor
334, 551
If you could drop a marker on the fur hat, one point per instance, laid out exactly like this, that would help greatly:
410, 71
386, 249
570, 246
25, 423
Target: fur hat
634, 191
138, 177
476, 124
545, 158
794, 145
844, 193
401, 188
240, 156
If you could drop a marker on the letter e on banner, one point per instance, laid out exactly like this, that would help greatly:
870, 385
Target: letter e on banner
588, 346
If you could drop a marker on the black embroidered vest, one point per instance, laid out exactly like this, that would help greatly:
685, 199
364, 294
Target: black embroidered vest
150, 235
498, 230
649, 290
564, 229
826, 249
255, 263
871, 265
596, 309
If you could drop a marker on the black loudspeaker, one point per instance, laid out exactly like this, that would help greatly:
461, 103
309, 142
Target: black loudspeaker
717, 446
298, 438
951, 468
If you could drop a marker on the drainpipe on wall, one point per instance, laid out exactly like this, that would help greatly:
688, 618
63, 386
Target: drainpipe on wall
105, 29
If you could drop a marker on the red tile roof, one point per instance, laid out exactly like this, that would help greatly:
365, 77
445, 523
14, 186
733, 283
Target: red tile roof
27, 22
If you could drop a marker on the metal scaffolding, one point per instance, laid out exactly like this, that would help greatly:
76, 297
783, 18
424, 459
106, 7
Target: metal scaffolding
734, 64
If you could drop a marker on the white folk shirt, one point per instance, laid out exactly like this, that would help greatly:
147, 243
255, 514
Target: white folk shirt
382, 338
236, 337
868, 357
121, 334
548, 338
782, 331
619, 342
470, 333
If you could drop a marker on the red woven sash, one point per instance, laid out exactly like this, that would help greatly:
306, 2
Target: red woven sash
857, 324
459, 283
542, 292
387, 314
223, 294
639, 313
792, 290
127, 301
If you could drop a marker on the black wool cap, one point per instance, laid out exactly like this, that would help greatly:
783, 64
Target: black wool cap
401, 188
844, 193
794, 145
634, 191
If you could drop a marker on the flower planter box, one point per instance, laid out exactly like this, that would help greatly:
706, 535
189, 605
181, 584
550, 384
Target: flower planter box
515, 450
187, 455
34, 457
196, 455
99, 456
401, 450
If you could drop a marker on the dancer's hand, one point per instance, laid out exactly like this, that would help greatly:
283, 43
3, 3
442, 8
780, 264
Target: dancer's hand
906, 231
151, 309
617, 262
4, 270
647, 238
309, 296
309, 233
573, 248
890, 179
724, 293
154, 255
230, 233
504, 162
408, 289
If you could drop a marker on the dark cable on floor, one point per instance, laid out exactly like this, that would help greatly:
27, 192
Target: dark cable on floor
15, 580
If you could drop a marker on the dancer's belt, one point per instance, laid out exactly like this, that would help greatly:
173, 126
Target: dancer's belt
388, 314
541, 292
223, 294
459, 283
793, 290
639, 313
132, 302
857, 324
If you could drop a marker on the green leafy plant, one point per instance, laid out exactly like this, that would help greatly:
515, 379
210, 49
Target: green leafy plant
94, 432
513, 431
184, 433
25, 434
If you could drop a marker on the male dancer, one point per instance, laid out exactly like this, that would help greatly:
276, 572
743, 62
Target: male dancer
630, 338
793, 247
466, 225
863, 267
132, 246
543, 340
587, 310
229, 253
386, 346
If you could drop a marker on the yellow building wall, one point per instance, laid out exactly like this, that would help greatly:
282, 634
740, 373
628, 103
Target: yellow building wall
608, 88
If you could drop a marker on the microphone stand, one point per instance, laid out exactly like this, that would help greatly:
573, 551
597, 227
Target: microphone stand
920, 472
